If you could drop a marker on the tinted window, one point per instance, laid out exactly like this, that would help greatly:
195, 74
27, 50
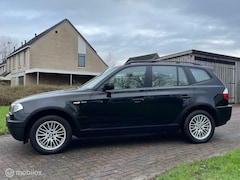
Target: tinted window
200, 74
183, 81
167, 76
129, 78
163, 76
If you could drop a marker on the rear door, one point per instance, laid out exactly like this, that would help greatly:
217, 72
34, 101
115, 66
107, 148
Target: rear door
169, 95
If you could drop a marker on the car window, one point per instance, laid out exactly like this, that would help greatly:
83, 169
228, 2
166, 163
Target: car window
182, 78
129, 78
167, 76
93, 82
200, 74
164, 76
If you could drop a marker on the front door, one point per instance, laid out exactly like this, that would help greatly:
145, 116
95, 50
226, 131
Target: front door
122, 107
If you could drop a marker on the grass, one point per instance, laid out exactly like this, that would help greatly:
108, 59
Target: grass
3, 112
222, 167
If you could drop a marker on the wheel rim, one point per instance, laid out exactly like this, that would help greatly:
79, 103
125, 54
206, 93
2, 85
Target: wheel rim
200, 126
51, 135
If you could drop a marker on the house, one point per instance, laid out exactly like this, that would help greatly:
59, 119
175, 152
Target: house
2, 67
4, 75
147, 57
60, 56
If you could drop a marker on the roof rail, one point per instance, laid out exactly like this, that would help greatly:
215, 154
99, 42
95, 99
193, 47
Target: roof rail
178, 62
158, 61
142, 61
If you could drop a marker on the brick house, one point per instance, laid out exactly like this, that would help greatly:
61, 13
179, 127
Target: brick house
60, 56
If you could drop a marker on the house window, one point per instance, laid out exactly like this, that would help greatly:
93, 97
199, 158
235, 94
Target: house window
21, 81
19, 60
14, 62
81, 60
25, 58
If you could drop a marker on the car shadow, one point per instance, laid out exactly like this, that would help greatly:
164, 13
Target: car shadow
84, 143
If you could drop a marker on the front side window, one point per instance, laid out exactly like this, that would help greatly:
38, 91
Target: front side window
129, 78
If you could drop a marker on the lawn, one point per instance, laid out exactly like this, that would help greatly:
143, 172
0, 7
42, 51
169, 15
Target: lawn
3, 112
221, 167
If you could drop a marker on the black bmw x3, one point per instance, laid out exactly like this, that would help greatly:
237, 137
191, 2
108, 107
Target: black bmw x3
134, 98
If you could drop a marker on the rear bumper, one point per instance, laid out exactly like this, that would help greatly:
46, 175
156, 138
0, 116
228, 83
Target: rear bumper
224, 114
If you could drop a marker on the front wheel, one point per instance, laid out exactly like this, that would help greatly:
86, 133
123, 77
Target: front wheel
199, 127
50, 134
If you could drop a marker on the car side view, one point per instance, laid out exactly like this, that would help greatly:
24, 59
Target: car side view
135, 98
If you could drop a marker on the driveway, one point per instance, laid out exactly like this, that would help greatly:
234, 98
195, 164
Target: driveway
132, 158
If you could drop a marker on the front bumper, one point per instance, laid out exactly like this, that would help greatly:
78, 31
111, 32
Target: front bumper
224, 114
16, 128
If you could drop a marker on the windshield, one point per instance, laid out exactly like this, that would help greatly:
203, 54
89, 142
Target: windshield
90, 84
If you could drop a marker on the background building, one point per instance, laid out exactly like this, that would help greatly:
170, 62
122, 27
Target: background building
227, 68
60, 56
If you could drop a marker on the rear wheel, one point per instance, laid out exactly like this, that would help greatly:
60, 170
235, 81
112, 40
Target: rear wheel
50, 134
199, 127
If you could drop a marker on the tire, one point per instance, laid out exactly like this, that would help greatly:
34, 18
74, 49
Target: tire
50, 134
199, 127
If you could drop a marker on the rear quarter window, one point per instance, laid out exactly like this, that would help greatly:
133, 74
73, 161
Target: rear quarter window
200, 74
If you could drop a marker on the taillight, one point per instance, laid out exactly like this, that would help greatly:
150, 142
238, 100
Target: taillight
225, 94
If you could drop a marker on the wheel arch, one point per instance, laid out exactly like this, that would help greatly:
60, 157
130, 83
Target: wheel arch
203, 107
46, 112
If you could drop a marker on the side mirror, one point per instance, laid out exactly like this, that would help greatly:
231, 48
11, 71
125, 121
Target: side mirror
108, 86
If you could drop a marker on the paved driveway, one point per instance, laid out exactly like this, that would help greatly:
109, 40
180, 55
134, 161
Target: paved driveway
132, 158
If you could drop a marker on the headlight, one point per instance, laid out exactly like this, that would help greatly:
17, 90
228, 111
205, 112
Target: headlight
16, 107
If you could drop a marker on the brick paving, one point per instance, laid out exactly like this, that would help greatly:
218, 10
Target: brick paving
135, 158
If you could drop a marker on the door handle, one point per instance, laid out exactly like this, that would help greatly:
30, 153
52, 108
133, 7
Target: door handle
184, 96
138, 100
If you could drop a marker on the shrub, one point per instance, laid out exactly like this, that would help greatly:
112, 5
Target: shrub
9, 94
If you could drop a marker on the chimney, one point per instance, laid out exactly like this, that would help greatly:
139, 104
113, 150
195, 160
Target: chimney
25, 42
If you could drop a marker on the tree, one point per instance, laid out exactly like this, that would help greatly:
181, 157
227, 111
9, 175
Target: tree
110, 60
7, 45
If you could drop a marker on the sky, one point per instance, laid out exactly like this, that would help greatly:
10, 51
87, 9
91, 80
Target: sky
120, 29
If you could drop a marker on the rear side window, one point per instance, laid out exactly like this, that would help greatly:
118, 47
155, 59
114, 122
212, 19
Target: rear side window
168, 76
200, 74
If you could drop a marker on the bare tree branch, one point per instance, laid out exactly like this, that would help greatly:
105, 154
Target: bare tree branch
7, 45
110, 60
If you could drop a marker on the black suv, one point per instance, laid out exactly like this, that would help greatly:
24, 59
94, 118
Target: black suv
131, 99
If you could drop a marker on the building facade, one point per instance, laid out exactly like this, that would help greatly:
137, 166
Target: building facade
60, 56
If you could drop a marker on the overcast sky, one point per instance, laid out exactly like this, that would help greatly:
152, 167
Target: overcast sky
127, 28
